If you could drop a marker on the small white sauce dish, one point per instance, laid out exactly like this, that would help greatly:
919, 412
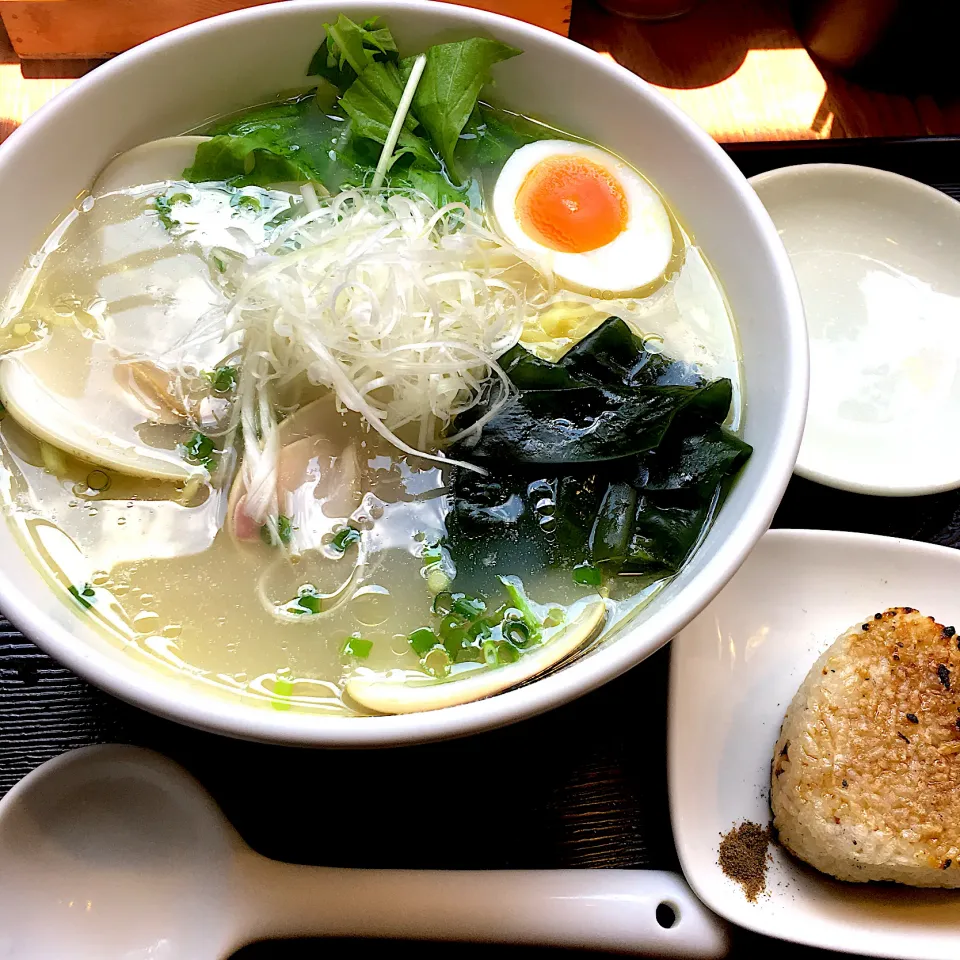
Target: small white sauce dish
734, 672
876, 257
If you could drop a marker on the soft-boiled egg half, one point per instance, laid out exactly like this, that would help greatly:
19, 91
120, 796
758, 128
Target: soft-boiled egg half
587, 214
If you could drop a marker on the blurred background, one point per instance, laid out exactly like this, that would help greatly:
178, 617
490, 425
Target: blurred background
744, 69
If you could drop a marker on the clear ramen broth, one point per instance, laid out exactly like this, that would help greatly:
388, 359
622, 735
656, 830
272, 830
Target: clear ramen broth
139, 368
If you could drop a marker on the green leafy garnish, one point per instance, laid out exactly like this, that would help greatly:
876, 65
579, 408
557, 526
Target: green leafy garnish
336, 140
356, 646
436, 186
254, 159
86, 596
422, 641
246, 201
293, 141
432, 553
498, 652
442, 604
468, 607
164, 205
517, 632
587, 574
223, 379
284, 532
469, 631
461, 604
345, 538
480, 630
520, 602
454, 636
448, 90
371, 103
307, 602
349, 48
492, 134
200, 449
282, 688
555, 616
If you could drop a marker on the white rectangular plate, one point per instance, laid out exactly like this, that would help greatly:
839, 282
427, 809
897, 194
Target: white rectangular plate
734, 672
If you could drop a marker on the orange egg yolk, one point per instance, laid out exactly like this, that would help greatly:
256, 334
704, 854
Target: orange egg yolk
571, 205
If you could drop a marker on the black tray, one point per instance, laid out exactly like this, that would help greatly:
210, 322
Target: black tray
584, 786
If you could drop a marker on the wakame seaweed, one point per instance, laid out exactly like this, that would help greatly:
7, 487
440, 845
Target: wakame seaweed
333, 134
614, 456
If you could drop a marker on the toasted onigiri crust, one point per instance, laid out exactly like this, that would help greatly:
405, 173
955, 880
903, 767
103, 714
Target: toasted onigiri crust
866, 773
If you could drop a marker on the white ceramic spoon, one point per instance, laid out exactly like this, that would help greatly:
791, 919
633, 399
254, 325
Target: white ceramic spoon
116, 853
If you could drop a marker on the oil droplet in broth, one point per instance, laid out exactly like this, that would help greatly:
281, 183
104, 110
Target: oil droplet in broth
146, 622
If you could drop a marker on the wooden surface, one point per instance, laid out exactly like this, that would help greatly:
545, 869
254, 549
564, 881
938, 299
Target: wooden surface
99, 28
736, 66
95, 28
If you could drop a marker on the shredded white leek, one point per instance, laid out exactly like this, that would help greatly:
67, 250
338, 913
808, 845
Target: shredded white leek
399, 118
397, 306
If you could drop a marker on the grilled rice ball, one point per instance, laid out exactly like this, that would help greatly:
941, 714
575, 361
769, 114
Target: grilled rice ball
866, 773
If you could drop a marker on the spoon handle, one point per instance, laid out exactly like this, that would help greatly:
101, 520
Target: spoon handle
645, 912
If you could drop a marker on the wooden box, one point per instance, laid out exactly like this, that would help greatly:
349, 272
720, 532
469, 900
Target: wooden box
96, 29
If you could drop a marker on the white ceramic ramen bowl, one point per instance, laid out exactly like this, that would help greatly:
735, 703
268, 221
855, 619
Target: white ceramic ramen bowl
178, 81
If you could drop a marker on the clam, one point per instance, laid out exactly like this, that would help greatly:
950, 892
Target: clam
155, 388
33, 390
414, 695
305, 451
60, 421
151, 162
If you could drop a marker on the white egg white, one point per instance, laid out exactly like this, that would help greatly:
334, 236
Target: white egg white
635, 259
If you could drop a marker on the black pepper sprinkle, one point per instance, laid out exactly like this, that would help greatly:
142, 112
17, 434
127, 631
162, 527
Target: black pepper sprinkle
944, 674
878, 616
844, 782
946, 864
743, 857
902, 737
866, 626
958, 724
949, 631
895, 657
912, 717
